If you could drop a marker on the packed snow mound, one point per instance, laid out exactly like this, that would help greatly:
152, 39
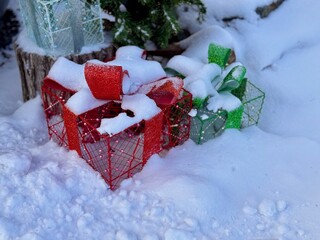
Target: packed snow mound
197, 44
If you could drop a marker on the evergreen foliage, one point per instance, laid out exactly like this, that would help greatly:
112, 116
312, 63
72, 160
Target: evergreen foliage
140, 20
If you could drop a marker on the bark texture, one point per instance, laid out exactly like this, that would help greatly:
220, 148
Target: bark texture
266, 10
34, 67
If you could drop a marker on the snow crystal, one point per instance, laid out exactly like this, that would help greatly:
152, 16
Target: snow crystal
133, 103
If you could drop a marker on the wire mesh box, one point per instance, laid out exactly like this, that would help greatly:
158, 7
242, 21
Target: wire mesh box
119, 156
115, 157
207, 125
177, 121
252, 101
62, 27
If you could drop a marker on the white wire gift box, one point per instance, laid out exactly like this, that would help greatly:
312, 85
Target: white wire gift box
62, 27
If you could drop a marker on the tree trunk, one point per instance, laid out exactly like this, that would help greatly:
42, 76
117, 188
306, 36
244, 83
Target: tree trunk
34, 67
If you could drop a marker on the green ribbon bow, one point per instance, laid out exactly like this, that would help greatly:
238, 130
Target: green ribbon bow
220, 56
234, 82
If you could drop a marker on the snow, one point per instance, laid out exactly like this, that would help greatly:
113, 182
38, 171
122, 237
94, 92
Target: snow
29, 46
199, 83
140, 71
132, 103
83, 101
203, 80
197, 44
68, 74
258, 183
184, 65
224, 100
176, 84
233, 8
130, 53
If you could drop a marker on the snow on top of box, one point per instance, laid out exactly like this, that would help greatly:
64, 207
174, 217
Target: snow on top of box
197, 44
29, 45
140, 71
202, 79
199, 84
68, 74
184, 65
130, 52
133, 103
83, 101
175, 82
224, 100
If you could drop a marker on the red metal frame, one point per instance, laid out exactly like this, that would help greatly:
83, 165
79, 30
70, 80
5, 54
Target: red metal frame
177, 122
119, 156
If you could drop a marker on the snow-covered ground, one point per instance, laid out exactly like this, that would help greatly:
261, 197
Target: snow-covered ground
258, 183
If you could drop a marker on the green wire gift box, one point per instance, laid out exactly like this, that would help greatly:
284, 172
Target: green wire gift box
222, 96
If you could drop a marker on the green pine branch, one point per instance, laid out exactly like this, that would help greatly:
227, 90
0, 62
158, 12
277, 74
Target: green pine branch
147, 20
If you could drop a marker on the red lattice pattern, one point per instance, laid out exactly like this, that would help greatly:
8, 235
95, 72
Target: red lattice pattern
176, 127
53, 101
122, 155
115, 157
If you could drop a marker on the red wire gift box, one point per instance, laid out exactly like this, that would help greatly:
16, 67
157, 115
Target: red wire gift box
120, 154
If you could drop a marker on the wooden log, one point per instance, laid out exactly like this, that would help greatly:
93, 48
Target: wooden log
264, 11
34, 67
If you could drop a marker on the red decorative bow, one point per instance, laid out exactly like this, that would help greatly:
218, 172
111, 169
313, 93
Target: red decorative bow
105, 82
